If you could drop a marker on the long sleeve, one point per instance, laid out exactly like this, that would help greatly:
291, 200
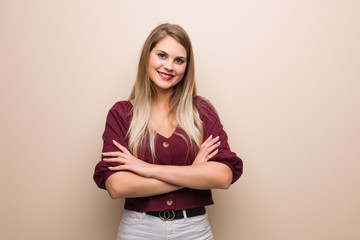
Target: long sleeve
116, 128
213, 126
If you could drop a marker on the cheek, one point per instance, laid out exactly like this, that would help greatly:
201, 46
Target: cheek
154, 61
181, 69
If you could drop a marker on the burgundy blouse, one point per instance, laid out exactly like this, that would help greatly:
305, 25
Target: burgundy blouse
169, 151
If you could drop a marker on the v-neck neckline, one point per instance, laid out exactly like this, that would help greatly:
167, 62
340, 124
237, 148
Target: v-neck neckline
167, 138
173, 133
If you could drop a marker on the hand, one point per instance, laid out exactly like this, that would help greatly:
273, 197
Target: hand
127, 161
207, 150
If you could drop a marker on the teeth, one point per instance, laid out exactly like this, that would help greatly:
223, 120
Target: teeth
165, 75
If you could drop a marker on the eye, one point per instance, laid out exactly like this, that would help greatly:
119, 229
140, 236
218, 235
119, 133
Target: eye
161, 55
179, 60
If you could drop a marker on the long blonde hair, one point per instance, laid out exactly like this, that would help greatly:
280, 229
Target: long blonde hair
181, 101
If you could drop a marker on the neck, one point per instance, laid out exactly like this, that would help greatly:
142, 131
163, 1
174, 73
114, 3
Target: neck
163, 97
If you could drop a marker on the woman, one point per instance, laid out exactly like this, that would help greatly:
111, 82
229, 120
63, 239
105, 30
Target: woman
165, 148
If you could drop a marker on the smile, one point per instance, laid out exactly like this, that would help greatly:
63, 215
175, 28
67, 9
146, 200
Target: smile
165, 76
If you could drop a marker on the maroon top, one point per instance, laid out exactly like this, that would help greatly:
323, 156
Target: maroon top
175, 151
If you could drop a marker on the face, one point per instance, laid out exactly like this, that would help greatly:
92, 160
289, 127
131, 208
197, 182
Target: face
167, 63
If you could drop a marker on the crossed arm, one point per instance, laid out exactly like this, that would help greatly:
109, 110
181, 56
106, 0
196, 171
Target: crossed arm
140, 179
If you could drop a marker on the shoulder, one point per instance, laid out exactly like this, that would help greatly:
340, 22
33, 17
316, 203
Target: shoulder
205, 108
121, 109
202, 103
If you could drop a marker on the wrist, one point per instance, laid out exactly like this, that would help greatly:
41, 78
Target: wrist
152, 170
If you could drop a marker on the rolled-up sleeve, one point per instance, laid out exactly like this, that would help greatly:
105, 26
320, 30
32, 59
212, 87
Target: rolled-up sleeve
115, 129
213, 126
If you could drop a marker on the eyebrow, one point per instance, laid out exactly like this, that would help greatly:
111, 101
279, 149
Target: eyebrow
184, 58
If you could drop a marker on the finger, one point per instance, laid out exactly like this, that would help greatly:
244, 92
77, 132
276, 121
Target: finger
117, 168
209, 138
214, 140
211, 155
113, 154
121, 147
213, 147
207, 141
118, 160
210, 141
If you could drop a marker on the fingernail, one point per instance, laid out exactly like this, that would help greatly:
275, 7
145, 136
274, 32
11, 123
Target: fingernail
103, 153
216, 150
110, 168
217, 137
210, 137
114, 141
218, 143
104, 159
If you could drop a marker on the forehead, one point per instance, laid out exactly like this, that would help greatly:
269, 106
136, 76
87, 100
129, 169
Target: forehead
171, 47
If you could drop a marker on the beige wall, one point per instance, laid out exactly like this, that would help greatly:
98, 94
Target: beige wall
283, 75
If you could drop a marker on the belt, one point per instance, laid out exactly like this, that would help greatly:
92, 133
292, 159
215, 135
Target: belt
177, 214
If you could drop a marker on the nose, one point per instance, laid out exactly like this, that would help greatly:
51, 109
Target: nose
168, 65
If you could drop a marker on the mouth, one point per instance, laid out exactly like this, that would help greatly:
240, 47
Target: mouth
165, 76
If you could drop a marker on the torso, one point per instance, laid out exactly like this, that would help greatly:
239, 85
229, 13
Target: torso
163, 124
175, 152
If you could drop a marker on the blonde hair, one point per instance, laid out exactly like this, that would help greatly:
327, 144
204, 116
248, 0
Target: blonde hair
181, 101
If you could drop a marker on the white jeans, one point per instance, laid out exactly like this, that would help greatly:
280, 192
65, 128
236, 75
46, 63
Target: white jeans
141, 226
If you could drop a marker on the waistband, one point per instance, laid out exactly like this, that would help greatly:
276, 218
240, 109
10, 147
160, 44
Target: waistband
177, 214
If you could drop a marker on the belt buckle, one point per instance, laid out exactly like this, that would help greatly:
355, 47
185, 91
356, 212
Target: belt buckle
167, 215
